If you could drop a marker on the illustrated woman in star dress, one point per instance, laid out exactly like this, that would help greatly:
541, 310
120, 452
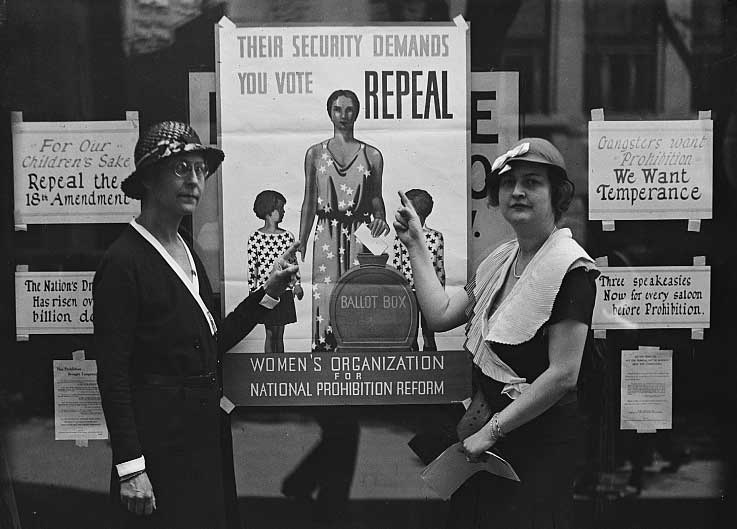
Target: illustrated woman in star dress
265, 245
343, 190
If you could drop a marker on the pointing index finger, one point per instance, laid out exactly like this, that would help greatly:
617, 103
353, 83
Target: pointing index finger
290, 253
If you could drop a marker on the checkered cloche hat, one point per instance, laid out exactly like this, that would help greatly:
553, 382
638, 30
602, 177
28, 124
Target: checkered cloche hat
162, 141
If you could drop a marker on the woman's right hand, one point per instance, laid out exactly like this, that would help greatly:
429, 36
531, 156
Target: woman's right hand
137, 495
407, 223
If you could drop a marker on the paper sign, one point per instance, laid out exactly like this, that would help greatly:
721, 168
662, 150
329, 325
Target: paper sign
650, 170
77, 406
646, 390
53, 302
652, 297
71, 172
494, 129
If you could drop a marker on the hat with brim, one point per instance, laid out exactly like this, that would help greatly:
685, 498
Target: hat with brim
162, 141
536, 150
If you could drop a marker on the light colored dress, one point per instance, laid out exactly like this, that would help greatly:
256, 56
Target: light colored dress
343, 204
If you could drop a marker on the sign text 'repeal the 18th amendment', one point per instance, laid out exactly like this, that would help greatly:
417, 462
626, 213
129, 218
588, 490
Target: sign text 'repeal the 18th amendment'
71, 172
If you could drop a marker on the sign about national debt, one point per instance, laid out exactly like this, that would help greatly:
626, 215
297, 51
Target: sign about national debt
652, 297
70, 172
53, 303
649, 170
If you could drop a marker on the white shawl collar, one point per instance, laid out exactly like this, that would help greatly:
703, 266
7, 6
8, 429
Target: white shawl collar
191, 284
527, 306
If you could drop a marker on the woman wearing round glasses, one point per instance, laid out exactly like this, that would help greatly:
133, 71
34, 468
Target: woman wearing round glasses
527, 311
159, 347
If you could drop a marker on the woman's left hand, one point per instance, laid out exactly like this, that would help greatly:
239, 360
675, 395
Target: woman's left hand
378, 227
475, 445
298, 291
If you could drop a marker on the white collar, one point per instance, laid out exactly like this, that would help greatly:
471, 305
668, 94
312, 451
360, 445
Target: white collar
192, 284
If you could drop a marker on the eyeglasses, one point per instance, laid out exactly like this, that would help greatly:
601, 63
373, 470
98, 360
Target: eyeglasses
183, 168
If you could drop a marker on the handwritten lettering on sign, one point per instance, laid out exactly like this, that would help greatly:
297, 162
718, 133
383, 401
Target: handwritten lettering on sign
650, 170
70, 172
652, 297
53, 302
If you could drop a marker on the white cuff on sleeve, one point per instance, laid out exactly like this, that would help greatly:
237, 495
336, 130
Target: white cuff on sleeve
269, 302
129, 467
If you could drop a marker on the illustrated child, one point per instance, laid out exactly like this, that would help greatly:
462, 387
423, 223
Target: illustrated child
265, 245
423, 203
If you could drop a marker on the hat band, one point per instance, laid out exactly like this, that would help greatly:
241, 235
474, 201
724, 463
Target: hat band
166, 148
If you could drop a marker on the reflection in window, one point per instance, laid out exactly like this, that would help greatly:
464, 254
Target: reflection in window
527, 51
621, 59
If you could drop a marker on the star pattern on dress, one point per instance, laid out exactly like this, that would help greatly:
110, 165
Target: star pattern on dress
319, 318
263, 249
339, 188
435, 245
314, 346
355, 262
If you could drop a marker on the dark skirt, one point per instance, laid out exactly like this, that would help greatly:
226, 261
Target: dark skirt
189, 464
283, 313
544, 453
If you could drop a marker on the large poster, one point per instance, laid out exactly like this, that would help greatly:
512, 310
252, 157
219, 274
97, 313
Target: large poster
398, 121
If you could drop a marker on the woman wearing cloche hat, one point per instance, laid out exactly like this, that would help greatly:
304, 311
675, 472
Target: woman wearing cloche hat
159, 347
527, 311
